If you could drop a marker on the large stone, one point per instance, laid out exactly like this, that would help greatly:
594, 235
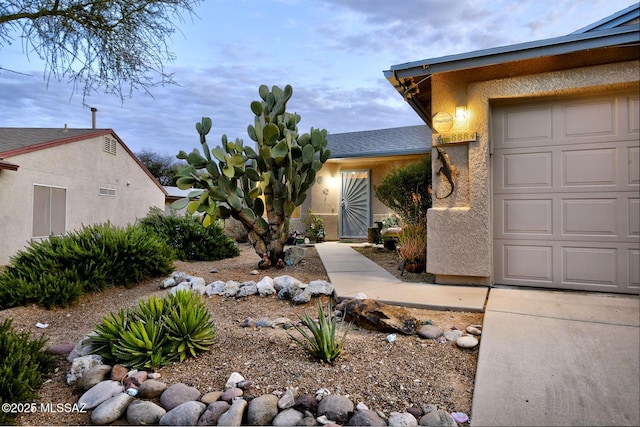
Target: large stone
313, 289
80, 365
288, 417
93, 376
265, 286
434, 417
336, 408
231, 393
177, 394
184, 286
118, 372
99, 393
111, 409
185, 414
215, 288
213, 413
467, 341
293, 255
285, 282
231, 288
233, 380
402, 419
144, 412
262, 410
82, 348
366, 418
61, 349
452, 334
306, 402
212, 396
429, 332
233, 417
287, 400
371, 314
247, 288
152, 388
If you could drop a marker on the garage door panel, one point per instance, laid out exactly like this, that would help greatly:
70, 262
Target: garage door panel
595, 266
589, 119
634, 166
566, 211
528, 263
589, 217
525, 170
589, 167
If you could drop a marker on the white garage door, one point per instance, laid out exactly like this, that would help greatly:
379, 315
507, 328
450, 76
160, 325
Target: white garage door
566, 202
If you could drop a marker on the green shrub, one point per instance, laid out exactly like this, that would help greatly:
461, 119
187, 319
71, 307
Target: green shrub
322, 343
407, 191
23, 362
56, 271
189, 238
155, 332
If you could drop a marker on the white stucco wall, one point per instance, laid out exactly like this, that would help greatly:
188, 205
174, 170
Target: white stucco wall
459, 245
81, 167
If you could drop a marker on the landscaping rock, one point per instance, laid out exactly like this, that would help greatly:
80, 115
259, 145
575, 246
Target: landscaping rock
233, 417
474, 329
289, 417
99, 393
265, 286
233, 380
306, 402
185, 414
61, 349
249, 322
381, 317
80, 365
285, 282
185, 286
429, 332
247, 288
177, 394
144, 412
287, 400
402, 419
262, 410
366, 418
212, 396
231, 393
467, 341
213, 412
336, 408
118, 372
452, 334
111, 409
215, 288
293, 255
264, 322
151, 389
93, 376
434, 417
231, 288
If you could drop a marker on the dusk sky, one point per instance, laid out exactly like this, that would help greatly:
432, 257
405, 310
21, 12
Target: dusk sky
333, 53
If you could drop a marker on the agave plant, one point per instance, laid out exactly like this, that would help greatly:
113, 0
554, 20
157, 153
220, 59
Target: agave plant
142, 345
107, 334
322, 343
189, 325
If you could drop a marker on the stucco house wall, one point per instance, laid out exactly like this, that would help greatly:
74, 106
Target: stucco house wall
459, 247
82, 168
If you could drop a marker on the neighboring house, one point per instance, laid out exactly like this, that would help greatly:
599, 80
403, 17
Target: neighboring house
343, 195
173, 194
547, 193
54, 181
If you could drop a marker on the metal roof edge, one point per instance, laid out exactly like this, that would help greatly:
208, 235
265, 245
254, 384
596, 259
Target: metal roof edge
619, 18
547, 47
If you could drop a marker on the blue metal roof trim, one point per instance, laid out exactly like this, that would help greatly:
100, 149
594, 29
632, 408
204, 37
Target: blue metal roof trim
627, 34
616, 20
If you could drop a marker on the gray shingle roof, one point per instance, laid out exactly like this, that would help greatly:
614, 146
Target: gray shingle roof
18, 138
381, 142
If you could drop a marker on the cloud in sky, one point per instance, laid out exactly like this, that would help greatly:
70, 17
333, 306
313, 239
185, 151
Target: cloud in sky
332, 52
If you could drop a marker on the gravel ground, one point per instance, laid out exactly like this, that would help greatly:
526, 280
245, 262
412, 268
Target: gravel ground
385, 376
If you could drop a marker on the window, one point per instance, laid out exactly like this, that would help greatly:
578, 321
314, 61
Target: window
110, 145
107, 192
49, 210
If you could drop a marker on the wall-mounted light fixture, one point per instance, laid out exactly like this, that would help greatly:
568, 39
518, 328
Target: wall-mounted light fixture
461, 113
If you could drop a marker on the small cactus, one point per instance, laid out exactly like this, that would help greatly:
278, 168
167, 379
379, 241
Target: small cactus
234, 180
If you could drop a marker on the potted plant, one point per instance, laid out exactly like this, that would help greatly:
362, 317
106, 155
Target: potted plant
315, 227
412, 247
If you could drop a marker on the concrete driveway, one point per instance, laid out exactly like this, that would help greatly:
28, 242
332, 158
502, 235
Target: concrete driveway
554, 358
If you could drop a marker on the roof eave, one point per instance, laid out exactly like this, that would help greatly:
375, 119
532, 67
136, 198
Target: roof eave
356, 155
549, 47
4, 165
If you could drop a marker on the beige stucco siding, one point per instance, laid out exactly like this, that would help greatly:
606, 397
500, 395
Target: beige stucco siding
81, 168
459, 248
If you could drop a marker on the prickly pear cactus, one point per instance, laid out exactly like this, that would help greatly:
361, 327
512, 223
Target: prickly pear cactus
261, 185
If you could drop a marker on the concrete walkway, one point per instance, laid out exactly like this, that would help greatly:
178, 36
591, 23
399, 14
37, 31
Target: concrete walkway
546, 358
554, 358
351, 273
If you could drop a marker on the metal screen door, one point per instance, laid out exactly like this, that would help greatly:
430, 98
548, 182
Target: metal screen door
355, 204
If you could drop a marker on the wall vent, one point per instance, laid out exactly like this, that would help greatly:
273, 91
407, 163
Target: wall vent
107, 192
110, 145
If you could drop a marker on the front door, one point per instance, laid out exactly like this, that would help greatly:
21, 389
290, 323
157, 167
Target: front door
355, 204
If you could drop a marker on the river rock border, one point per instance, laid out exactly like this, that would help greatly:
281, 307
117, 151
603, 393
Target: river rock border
143, 399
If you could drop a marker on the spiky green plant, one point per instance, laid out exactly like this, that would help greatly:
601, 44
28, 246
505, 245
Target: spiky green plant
322, 343
142, 345
107, 334
189, 325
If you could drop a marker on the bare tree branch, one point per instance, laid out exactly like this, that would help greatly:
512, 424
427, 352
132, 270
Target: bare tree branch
110, 46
